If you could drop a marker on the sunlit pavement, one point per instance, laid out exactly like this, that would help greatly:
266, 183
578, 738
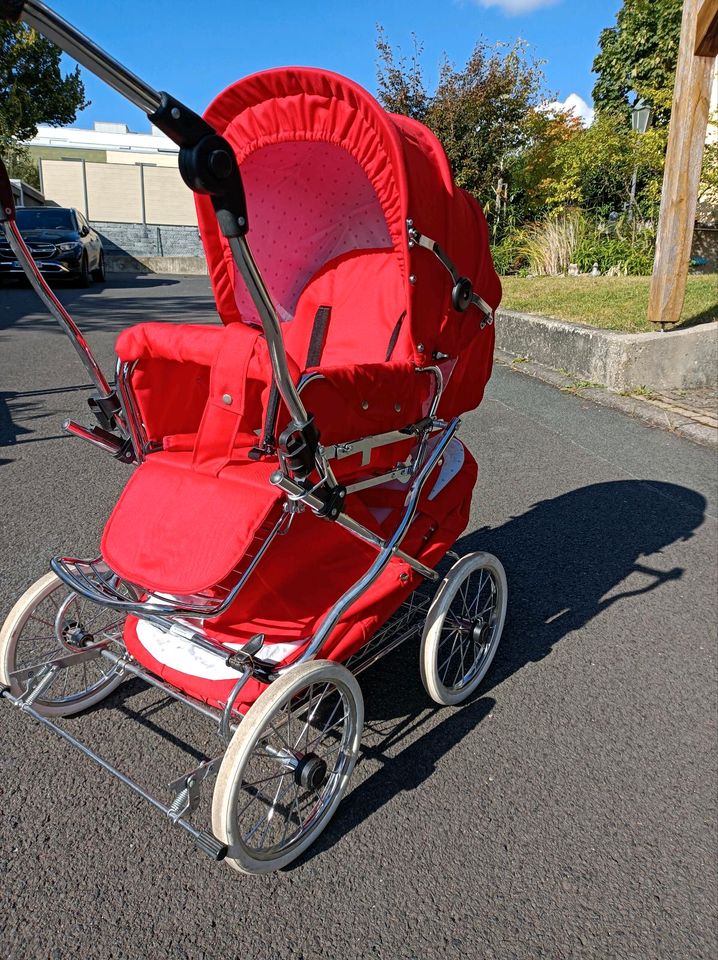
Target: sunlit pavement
567, 811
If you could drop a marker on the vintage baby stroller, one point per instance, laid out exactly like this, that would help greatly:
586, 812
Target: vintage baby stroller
297, 473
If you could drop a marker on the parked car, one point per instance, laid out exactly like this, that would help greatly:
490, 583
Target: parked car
62, 243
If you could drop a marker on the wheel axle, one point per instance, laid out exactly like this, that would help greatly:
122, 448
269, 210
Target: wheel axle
311, 772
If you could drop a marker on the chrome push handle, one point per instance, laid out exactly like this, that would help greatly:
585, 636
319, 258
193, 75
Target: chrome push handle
24, 257
207, 162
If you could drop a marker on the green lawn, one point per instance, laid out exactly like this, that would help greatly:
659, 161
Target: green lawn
614, 303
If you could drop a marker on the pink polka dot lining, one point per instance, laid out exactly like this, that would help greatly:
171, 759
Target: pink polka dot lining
308, 203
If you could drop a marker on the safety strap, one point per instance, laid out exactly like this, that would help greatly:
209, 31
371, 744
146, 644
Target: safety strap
314, 355
270, 418
394, 337
319, 335
226, 401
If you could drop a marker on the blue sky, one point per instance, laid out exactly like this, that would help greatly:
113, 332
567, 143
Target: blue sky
194, 50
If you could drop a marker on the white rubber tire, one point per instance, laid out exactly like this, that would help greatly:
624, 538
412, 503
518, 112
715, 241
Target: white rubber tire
10, 633
432, 634
230, 775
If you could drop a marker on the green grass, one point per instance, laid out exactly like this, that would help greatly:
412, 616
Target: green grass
613, 303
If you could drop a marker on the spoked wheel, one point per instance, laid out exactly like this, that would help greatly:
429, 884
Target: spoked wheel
49, 621
463, 628
288, 766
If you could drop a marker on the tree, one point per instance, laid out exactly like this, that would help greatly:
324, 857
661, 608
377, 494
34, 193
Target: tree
478, 111
32, 87
533, 171
594, 169
638, 59
32, 90
19, 162
400, 79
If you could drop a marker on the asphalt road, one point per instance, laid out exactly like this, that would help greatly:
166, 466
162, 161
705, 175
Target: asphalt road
567, 811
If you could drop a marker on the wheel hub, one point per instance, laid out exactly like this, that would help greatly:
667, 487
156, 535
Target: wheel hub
311, 772
75, 635
480, 631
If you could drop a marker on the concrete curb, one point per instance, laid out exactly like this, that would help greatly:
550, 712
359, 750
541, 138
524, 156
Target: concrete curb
679, 359
652, 412
189, 266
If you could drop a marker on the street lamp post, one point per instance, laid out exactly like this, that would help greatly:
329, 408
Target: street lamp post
640, 118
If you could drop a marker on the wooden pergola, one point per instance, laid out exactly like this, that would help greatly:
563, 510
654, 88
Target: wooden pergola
686, 140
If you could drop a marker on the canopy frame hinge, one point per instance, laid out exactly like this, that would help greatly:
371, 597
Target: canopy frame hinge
462, 294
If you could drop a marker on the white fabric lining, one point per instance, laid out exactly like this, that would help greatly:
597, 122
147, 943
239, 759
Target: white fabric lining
186, 657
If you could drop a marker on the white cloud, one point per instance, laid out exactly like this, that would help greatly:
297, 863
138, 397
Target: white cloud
575, 105
514, 7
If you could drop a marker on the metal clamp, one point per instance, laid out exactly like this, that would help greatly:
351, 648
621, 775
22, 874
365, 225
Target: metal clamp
187, 788
462, 294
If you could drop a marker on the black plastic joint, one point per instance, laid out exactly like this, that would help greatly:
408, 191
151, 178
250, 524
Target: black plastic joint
126, 453
416, 429
209, 844
461, 294
105, 409
7, 200
182, 125
207, 163
239, 660
333, 501
261, 669
298, 446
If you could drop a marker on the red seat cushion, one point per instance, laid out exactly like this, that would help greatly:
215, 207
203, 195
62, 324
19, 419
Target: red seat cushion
178, 530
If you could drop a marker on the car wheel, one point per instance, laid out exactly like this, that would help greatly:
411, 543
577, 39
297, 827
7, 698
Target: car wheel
99, 273
84, 278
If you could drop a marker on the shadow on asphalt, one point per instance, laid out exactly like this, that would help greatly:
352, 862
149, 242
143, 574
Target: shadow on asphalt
26, 406
566, 560
109, 307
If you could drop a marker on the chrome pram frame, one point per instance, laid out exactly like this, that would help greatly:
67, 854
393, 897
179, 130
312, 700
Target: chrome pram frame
121, 433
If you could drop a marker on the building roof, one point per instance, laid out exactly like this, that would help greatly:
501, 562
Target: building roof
103, 136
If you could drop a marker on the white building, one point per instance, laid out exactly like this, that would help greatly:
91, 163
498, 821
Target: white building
113, 175
115, 140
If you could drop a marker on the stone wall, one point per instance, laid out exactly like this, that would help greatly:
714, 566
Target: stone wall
705, 246
677, 359
140, 240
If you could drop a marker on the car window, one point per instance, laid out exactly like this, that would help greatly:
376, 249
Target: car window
83, 222
44, 218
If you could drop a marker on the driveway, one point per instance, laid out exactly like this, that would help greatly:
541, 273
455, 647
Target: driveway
567, 811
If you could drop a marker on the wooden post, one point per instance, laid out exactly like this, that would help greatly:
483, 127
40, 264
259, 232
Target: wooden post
707, 29
686, 140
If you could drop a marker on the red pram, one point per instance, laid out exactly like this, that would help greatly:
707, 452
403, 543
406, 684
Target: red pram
298, 475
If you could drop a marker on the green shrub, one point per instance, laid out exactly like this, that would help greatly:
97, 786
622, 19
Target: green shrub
548, 248
508, 255
624, 246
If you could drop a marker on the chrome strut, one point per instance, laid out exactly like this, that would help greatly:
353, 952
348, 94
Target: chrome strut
462, 295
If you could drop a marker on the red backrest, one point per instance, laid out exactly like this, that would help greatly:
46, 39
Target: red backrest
365, 294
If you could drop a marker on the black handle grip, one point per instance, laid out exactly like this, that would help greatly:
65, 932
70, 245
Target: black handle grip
11, 9
7, 201
207, 163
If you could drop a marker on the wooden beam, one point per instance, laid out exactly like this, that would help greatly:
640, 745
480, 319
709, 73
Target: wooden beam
686, 140
707, 29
